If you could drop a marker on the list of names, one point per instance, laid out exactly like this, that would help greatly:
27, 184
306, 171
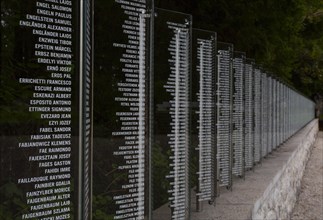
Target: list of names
206, 102
264, 115
223, 116
274, 113
270, 113
237, 116
131, 199
51, 26
249, 157
178, 87
257, 115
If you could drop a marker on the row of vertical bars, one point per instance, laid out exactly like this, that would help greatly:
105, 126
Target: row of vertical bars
272, 112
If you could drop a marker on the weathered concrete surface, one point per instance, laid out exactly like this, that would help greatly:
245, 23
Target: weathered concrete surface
310, 201
239, 203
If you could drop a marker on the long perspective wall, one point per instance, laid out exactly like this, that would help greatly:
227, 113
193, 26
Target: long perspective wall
120, 110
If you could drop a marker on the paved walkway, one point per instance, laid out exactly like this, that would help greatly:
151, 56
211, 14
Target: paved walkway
310, 201
238, 203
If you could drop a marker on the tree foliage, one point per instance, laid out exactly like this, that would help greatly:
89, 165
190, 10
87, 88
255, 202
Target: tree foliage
284, 36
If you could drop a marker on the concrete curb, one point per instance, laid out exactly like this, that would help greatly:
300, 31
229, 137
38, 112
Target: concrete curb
279, 198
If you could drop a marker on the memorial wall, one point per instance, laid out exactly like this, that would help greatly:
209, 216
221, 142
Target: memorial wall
84, 208
149, 121
264, 115
121, 110
270, 114
257, 115
280, 105
278, 113
172, 94
41, 113
248, 114
224, 113
274, 114
238, 125
203, 127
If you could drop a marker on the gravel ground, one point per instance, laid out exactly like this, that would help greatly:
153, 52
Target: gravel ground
310, 201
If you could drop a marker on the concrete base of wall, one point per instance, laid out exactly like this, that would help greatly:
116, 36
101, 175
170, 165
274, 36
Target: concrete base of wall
269, 191
279, 198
